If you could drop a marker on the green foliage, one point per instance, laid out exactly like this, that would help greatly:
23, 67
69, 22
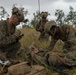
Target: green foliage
3, 12
60, 16
70, 18
35, 19
33, 23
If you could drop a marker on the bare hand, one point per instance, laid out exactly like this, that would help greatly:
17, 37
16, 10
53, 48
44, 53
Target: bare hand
35, 50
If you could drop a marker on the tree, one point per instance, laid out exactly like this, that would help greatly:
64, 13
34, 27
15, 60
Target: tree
71, 17
74, 19
36, 19
60, 16
3, 12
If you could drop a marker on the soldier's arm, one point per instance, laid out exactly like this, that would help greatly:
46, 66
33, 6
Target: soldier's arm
4, 39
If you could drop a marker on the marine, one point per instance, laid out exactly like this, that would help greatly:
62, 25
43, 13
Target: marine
41, 24
9, 36
58, 59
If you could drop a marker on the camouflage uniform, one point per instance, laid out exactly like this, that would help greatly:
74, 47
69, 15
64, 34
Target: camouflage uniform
40, 26
9, 41
67, 56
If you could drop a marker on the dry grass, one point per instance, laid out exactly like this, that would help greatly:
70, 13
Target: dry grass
31, 36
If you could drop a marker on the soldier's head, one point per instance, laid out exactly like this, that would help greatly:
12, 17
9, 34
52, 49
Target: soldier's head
17, 16
44, 14
50, 27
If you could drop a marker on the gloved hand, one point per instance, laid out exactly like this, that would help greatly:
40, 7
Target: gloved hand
18, 34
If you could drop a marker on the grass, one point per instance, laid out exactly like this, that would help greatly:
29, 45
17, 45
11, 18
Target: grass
31, 36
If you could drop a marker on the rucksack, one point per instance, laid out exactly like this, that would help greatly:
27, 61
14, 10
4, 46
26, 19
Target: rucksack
19, 69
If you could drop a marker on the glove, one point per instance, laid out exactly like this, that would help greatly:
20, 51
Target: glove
18, 33
20, 36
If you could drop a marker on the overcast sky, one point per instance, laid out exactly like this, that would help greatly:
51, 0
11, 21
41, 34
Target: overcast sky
45, 5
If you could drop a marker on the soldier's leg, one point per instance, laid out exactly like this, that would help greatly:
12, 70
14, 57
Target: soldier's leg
12, 50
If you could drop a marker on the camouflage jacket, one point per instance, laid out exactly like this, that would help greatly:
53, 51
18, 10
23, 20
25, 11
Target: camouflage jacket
67, 34
6, 34
40, 25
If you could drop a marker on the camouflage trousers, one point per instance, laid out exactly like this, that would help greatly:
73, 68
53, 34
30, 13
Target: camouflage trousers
11, 50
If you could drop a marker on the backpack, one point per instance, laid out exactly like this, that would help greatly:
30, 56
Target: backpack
19, 69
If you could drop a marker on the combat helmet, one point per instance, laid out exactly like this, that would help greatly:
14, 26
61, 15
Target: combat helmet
44, 14
49, 25
19, 13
